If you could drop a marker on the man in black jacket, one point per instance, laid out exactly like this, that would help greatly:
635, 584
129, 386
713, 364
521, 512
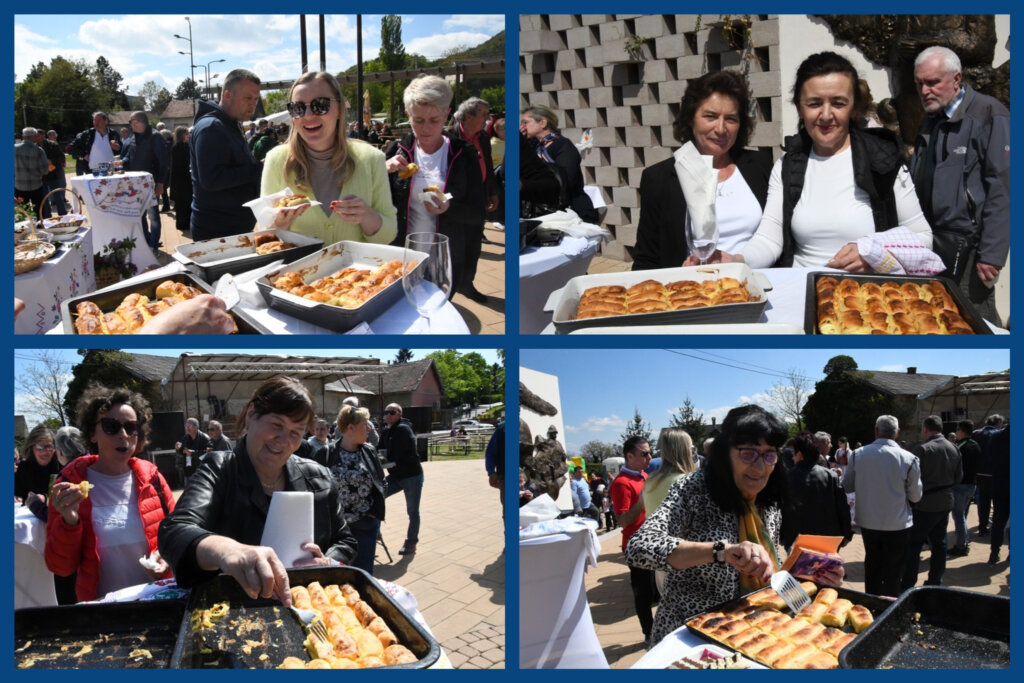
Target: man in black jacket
147, 151
970, 454
88, 152
192, 446
398, 446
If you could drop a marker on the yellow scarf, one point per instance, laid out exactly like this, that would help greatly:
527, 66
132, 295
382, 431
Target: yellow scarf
752, 529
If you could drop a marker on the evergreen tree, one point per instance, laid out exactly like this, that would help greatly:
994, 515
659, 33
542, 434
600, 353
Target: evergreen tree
690, 421
403, 356
392, 52
637, 427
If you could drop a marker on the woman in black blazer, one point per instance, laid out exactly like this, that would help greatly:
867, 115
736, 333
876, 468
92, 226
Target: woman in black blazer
715, 116
540, 125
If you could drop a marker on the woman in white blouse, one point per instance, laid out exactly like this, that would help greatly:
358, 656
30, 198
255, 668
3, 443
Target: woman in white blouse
835, 184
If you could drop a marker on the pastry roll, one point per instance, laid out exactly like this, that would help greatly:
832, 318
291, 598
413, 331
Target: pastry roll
398, 654
827, 596
860, 618
836, 614
370, 662
368, 643
813, 612
837, 645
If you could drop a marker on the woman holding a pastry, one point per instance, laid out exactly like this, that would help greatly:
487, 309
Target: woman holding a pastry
716, 534
444, 193
320, 163
838, 190
218, 524
714, 121
105, 508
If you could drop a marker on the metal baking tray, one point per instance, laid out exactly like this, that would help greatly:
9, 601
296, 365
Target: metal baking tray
564, 302
875, 604
967, 310
934, 627
98, 636
209, 259
111, 298
278, 631
325, 262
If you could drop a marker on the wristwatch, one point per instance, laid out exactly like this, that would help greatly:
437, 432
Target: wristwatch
718, 552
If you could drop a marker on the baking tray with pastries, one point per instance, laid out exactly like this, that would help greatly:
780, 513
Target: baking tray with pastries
126, 308
846, 303
209, 259
760, 626
339, 286
225, 629
725, 293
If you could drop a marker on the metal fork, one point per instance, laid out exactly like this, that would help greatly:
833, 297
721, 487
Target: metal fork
313, 623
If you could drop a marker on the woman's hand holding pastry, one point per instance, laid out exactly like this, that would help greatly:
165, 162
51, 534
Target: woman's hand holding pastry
849, 259
286, 215
436, 204
65, 498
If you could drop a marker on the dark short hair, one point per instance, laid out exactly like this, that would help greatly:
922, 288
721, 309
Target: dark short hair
39, 433
823, 64
727, 83
283, 396
631, 443
140, 116
236, 76
100, 399
965, 426
805, 444
744, 425
933, 423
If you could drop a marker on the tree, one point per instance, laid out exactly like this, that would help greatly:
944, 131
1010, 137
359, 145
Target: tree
465, 377
845, 403
163, 98
690, 421
637, 427
787, 399
598, 451
108, 80
187, 90
149, 92
61, 95
106, 366
838, 365
276, 101
43, 386
403, 356
495, 97
392, 52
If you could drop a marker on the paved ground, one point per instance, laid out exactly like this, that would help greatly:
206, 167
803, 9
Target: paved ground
611, 600
486, 318
603, 264
458, 571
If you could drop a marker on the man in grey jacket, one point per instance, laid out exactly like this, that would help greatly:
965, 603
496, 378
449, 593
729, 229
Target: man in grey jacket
886, 479
961, 170
941, 470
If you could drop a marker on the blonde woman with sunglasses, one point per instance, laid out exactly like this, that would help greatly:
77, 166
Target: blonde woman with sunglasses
105, 509
318, 160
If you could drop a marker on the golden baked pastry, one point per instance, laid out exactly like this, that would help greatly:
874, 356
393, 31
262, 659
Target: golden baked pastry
409, 171
291, 201
651, 296
358, 637
134, 310
347, 288
754, 627
273, 247
848, 306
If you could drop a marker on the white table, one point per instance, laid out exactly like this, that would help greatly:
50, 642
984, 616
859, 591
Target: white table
33, 582
115, 205
675, 645
65, 275
401, 318
555, 626
545, 269
784, 311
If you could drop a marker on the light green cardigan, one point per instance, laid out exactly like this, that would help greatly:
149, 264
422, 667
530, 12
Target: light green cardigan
369, 182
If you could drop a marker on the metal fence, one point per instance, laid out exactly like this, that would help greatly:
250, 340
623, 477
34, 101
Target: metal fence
457, 445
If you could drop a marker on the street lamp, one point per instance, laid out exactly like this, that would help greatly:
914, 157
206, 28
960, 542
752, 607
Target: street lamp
216, 61
191, 59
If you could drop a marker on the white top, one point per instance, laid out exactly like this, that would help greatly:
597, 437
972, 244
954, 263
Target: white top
117, 523
738, 213
432, 170
831, 213
100, 151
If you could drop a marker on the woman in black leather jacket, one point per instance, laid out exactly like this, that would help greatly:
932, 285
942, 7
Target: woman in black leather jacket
218, 522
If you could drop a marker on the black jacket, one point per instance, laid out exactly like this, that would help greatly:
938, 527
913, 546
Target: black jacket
877, 158
661, 236
567, 158
31, 476
490, 182
400, 443
82, 145
147, 152
815, 504
198, 445
225, 497
970, 455
368, 456
181, 174
539, 182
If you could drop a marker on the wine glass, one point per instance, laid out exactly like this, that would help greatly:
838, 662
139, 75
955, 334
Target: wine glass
427, 280
699, 247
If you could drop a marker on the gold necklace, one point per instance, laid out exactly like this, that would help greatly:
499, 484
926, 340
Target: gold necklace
274, 485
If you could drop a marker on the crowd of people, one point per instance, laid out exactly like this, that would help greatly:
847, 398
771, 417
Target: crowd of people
701, 529
97, 533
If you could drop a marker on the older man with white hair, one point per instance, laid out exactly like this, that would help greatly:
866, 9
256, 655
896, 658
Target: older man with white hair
192, 447
886, 479
961, 171
30, 166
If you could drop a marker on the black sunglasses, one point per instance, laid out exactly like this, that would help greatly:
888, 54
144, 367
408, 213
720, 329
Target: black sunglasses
112, 426
391, 412
319, 106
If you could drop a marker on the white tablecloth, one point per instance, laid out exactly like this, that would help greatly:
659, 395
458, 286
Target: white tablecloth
555, 626
786, 300
401, 318
672, 647
543, 270
65, 275
115, 205
33, 582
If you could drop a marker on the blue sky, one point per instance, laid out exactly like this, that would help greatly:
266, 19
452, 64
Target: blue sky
143, 47
600, 387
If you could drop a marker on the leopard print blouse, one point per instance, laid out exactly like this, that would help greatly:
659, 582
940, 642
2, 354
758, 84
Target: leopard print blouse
689, 514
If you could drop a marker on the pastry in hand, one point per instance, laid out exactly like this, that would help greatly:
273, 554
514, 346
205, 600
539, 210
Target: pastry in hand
291, 200
409, 171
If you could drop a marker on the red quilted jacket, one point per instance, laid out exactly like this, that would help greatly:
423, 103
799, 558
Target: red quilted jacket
73, 548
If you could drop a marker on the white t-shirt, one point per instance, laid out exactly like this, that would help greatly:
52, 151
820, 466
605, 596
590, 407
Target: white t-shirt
738, 213
432, 172
831, 213
120, 538
100, 151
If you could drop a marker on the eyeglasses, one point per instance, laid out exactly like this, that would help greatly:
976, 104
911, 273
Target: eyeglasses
113, 427
391, 412
642, 454
44, 446
750, 455
318, 105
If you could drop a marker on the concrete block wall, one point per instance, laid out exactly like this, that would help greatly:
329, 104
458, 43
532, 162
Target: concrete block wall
578, 64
